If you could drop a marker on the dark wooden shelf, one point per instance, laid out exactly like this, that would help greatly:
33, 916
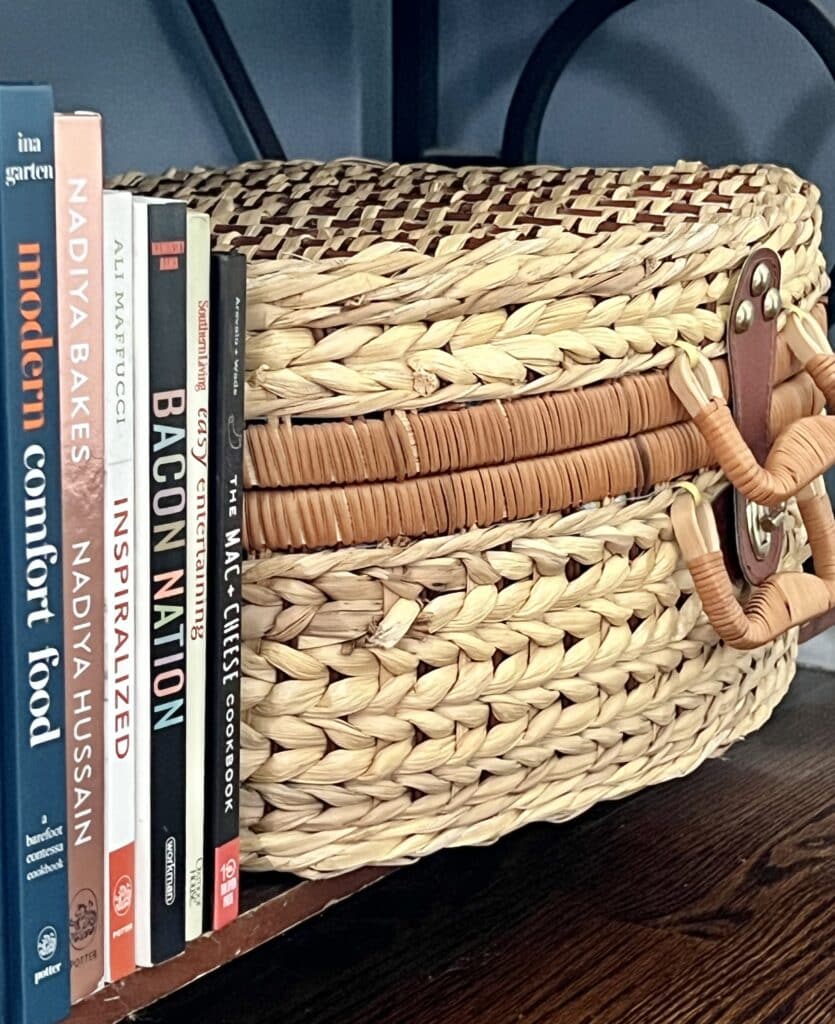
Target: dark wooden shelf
270, 906
703, 901
708, 900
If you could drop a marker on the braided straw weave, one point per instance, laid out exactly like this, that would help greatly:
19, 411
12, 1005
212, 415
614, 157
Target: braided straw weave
451, 626
382, 286
400, 445
403, 699
297, 518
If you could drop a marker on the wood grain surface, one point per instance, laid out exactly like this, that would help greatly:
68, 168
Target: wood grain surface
705, 901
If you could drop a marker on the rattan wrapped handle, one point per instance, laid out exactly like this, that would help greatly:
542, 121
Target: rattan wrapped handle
803, 451
786, 600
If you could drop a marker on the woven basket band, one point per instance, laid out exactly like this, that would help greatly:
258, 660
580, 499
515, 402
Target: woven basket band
401, 445
293, 519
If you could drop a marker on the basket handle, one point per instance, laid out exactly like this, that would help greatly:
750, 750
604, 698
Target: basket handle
803, 451
785, 600
794, 467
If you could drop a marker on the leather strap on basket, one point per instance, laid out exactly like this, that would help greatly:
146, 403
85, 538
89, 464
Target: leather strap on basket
793, 468
751, 338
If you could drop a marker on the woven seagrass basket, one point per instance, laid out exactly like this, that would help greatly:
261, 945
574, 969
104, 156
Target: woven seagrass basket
489, 432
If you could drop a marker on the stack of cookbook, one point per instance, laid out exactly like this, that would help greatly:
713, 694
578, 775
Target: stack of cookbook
121, 444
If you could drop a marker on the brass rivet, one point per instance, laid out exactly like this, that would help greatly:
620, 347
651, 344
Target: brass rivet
759, 535
760, 279
772, 304
744, 316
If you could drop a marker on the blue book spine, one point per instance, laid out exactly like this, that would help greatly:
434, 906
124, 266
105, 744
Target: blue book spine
32, 741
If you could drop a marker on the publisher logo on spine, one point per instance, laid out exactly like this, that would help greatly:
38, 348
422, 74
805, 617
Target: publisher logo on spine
170, 871
47, 943
122, 896
84, 919
235, 437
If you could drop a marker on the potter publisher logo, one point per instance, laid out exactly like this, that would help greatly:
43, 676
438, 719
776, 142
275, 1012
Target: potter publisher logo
84, 919
122, 896
47, 943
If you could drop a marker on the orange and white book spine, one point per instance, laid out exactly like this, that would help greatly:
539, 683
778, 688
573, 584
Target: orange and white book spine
120, 602
78, 216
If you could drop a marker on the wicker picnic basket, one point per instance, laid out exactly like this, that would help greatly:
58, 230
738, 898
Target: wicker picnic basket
488, 449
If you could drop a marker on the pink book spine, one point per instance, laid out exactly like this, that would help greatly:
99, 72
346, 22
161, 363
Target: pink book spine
78, 209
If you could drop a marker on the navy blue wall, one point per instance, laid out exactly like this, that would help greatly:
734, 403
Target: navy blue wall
719, 80
716, 80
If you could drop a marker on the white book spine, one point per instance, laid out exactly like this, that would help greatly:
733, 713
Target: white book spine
120, 689
142, 557
198, 248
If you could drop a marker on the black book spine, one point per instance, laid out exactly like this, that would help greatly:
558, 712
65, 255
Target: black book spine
223, 650
167, 593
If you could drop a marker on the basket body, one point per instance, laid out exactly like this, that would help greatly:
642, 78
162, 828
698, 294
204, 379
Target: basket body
465, 607
403, 699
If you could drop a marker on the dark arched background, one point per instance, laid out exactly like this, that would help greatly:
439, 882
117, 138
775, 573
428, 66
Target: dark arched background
575, 25
717, 80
